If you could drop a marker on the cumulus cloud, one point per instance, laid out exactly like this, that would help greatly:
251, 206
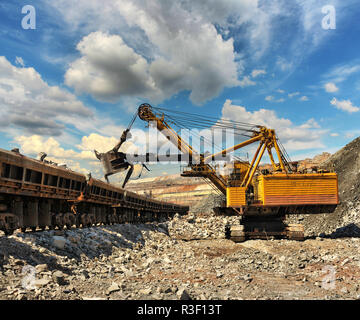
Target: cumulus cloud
344, 105
28, 102
294, 137
97, 142
191, 57
304, 98
34, 144
108, 68
82, 160
331, 87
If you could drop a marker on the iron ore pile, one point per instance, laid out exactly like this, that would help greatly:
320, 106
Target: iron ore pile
207, 203
345, 220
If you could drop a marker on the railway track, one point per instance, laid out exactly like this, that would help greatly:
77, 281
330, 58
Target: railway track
38, 194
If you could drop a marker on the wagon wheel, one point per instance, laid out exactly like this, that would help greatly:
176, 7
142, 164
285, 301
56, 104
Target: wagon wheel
60, 223
89, 222
72, 221
77, 221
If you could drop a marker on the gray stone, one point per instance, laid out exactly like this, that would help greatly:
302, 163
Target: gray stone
84, 275
247, 278
146, 291
113, 288
41, 282
41, 268
183, 295
59, 242
59, 278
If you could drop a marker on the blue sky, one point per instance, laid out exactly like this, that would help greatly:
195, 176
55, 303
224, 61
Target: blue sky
73, 83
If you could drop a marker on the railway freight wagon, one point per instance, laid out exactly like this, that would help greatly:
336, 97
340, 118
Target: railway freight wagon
39, 194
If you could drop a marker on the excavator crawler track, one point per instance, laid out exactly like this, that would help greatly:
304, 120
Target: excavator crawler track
242, 232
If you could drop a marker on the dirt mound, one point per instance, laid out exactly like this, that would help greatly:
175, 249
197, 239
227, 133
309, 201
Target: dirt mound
345, 220
206, 204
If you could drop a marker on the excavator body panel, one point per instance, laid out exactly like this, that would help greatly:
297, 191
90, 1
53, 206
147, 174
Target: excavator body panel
297, 189
235, 196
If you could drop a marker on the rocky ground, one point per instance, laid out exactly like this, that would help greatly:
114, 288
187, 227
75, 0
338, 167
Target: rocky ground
187, 257
345, 220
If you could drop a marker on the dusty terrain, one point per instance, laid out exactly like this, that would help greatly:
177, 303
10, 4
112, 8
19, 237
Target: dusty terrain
184, 258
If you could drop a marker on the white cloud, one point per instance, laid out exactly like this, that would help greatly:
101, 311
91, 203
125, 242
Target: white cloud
334, 134
35, 144
246, 82
293, 137
82, 161
331, 87
272, 99
97, 142
191, 56
28, 102
344, 105
109, 69
304, 98
294, 94
342, 72
280, 91
311, 123
255, 73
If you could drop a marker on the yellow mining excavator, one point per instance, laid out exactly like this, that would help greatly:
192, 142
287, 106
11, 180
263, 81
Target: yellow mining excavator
262, 198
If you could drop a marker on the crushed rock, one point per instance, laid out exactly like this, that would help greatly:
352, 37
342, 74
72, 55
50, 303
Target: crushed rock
345, 220
184, 258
